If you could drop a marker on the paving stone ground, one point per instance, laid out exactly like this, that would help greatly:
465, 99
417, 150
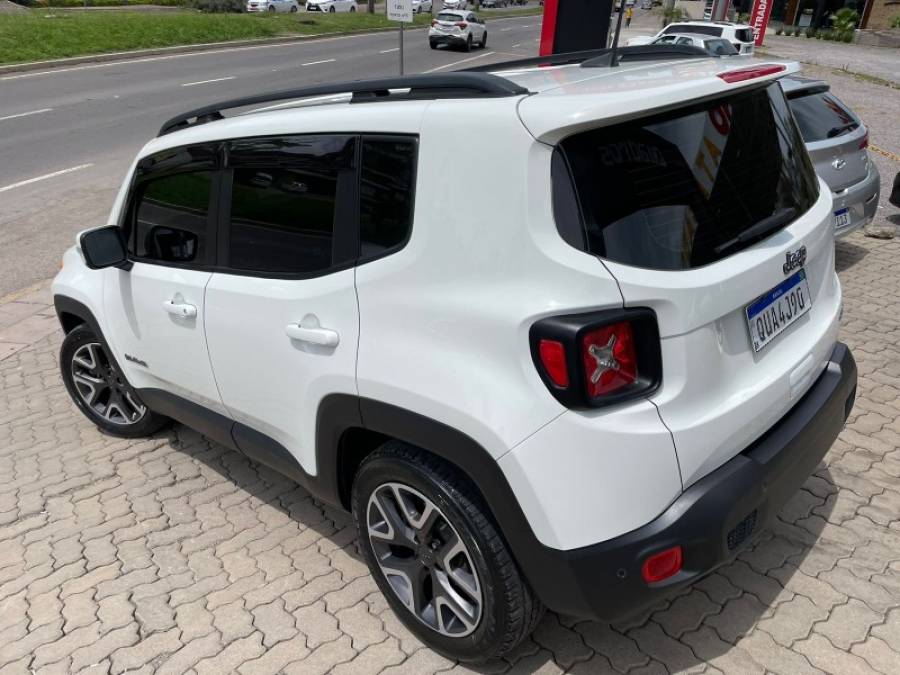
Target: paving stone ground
175, 555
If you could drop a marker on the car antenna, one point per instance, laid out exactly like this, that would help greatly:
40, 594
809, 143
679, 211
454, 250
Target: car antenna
613, 56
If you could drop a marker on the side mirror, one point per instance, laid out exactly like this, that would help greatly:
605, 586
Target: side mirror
104, 247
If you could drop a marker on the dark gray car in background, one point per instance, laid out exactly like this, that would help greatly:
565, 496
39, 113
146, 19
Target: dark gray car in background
837, 142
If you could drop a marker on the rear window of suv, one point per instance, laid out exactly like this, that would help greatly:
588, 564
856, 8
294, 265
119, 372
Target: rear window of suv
744, 34
687, 188
821, 116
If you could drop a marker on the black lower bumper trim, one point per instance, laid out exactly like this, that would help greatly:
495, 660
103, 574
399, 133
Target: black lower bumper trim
713, 519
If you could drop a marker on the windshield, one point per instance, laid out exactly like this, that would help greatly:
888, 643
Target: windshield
821, 116
688, 188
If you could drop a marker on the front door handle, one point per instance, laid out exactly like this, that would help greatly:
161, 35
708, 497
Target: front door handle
324, 337
181, 309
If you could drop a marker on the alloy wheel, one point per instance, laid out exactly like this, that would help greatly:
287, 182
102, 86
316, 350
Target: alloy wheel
424, 559
102, 388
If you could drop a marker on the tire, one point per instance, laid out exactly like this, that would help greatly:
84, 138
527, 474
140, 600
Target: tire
294, 9
272, 8
100, 390
432, 44
457, 547
483, 42
331, 10
352, 9
468, 46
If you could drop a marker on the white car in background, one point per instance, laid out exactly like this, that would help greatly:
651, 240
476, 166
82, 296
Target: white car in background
738, 34
420, 6
455, 4
712, 46
331, 6
457, 28
272, 6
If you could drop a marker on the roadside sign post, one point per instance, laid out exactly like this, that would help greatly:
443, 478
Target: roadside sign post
401, 11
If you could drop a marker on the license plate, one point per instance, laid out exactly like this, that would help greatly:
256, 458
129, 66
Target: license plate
770, 315
841, 218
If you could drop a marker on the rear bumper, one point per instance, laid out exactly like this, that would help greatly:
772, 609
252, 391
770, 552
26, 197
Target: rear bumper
713, 519
861, 200
448, 39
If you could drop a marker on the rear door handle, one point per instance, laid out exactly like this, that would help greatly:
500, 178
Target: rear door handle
324, 337
181, 309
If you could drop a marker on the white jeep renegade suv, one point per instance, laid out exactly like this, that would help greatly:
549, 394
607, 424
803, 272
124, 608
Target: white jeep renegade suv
579, 387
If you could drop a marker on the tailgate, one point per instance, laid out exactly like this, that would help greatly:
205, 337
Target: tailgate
712, 216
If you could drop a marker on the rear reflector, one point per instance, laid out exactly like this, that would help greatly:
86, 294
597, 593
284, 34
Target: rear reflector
610, 359
553, 358
750, 73
662, 565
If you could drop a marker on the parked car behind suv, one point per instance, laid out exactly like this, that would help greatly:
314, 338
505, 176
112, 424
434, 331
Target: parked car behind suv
581, 387
837, 142
738, 34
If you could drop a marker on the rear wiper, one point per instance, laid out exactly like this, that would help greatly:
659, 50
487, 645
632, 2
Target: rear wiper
837, 131
774, 222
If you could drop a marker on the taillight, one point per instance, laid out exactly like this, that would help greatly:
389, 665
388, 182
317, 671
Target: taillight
462, 24
600, 358
553, 358
610, 361
750, 73
433, 23
660, 566
864, 143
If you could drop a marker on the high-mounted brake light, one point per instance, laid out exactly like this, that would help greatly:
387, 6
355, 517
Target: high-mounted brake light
745, 74
660, 566
610, 361
553, 357
598, 358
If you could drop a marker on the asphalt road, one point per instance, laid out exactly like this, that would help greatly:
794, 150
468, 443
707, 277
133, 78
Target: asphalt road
68, 135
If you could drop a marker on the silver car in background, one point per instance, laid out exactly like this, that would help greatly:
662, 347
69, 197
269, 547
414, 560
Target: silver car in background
837, 142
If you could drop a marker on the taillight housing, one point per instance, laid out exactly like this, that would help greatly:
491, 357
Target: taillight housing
462, 24
864, 143
598, 358
433, 23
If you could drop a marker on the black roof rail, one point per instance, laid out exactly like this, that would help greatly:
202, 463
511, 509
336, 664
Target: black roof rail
597, 58
424, 86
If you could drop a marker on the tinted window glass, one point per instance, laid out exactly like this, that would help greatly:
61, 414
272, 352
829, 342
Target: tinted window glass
703, 30
284, 201
691, 187
744, 34
822, 116
720, 48
171, 218
386, 193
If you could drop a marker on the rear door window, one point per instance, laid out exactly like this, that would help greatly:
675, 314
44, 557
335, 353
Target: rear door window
286, 199
821, 116
691, 187
715, 31
386, 189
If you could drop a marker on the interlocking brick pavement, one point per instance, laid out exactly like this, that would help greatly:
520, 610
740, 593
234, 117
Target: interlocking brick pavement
174, 555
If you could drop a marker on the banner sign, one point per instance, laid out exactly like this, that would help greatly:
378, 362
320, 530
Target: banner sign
400, 10
759, 19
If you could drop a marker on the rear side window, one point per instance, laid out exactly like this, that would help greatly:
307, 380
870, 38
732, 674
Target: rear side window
171, 218
715, 31
720, 48
744, 34
386, 185
821, 116
691, 187
284, 202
